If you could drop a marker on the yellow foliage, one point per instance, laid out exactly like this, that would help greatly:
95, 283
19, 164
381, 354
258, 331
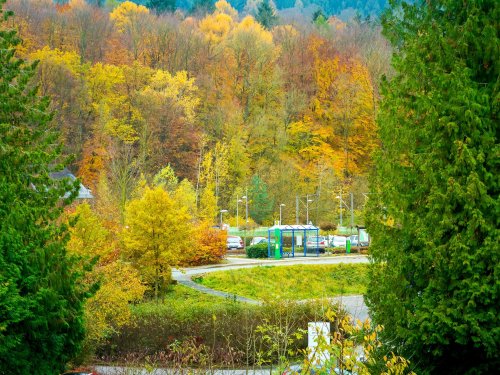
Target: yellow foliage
210, 245
102, 80
109, 308
248, 25
120, 285
179, 88
216, 27
185, 196
88, 238
157, 234
123, 15
223, 7
208, 204
68, 59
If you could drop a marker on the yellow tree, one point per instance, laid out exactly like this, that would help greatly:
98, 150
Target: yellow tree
131, 21
168, 134
157, 233
119, 283
185, 196
61, 75
344, 105
208, 204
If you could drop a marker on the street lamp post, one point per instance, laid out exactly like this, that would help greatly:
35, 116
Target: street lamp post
307, 208
341, 202
340, 207
281, 206
221, 212
238, 201
245, 197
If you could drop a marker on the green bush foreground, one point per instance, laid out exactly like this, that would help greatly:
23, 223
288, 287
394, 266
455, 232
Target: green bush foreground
199, 330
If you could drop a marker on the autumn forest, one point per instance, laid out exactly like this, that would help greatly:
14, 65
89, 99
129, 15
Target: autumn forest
216, 99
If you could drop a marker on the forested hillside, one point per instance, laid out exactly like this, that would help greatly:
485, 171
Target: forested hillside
329, 7
216, 99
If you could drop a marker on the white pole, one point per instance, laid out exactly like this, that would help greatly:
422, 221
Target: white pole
307, 209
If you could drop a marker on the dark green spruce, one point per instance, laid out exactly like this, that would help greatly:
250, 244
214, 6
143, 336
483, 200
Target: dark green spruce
41, 306
266, 15
434, 210
261, 206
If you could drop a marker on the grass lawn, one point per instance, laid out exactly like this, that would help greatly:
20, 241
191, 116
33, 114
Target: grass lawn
180, 298
290, 282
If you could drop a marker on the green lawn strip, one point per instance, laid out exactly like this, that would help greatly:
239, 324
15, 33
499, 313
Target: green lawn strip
182, 303
297, 282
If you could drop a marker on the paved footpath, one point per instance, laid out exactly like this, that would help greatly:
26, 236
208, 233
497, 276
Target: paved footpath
354, 305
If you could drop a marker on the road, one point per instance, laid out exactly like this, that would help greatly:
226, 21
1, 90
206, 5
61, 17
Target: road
116, 370
354, 305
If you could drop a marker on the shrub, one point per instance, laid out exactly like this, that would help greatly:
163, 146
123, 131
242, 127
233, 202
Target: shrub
209, 248
328, 227
257, 251
193, 326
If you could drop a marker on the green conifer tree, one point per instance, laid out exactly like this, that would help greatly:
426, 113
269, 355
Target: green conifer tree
41, 306
261, 206
266, 15
434, 212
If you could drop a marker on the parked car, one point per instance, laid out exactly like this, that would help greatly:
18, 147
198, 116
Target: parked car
317, 242
257, 240
338, 241
234, 242
356, 242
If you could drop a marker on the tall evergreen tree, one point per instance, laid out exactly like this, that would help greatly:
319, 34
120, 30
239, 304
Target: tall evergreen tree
266, 15
41, 306
434, 212
261, 206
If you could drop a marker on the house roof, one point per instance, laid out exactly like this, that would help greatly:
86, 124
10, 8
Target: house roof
83, 192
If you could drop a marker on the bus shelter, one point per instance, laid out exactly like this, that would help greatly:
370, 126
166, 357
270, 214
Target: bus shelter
293, 231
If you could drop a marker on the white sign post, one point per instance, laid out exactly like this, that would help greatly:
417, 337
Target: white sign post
318, 332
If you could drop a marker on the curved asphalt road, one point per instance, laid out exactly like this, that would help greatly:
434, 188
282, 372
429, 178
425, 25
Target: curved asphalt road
354, 305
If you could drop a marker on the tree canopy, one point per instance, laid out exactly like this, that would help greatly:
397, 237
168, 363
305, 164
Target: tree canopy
434, 204
41, 298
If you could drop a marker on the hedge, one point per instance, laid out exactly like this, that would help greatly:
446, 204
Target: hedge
257, 251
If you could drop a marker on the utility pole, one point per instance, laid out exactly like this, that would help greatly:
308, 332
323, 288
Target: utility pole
246, 215
307, 208
238, 201
352, 211
297, 209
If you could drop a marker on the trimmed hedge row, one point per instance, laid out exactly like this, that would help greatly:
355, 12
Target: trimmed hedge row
257, 251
